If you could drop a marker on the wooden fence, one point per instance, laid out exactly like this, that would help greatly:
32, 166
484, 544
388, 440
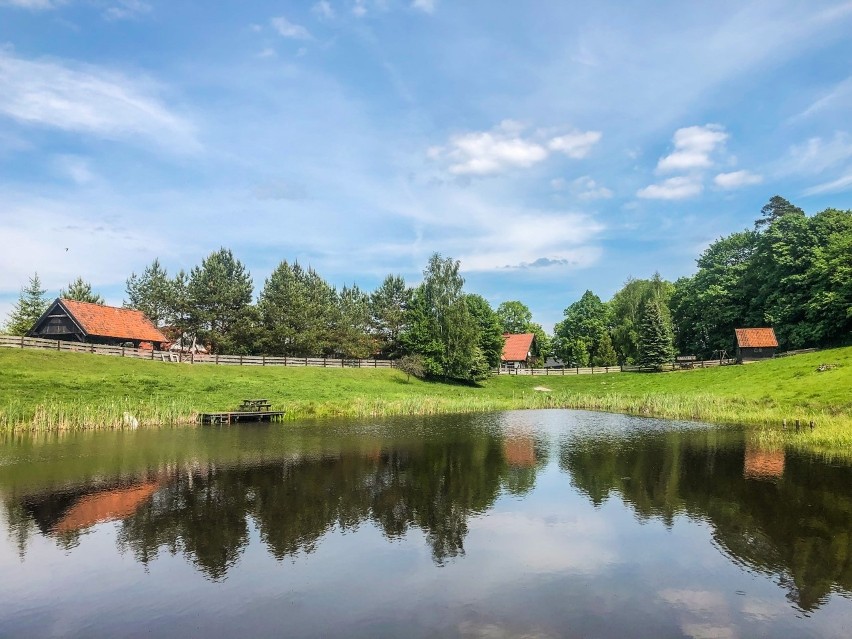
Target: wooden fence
13, 341
600, 370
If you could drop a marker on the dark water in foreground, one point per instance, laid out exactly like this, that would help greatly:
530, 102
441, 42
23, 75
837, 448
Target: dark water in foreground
528, 524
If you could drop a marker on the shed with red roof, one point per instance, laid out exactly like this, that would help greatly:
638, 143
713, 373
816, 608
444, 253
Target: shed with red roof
517, 349
755, 344
73, 321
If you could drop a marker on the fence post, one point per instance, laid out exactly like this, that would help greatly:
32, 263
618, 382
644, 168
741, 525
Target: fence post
241, 360
57, 346
22, 341
122, 351
263, 360
323, 362
578, 370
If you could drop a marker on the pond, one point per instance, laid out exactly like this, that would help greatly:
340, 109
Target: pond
530, 524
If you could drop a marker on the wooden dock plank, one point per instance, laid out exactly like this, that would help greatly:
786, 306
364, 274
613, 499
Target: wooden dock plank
232, 417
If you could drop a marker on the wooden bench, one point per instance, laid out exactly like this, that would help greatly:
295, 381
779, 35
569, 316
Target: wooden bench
255, 406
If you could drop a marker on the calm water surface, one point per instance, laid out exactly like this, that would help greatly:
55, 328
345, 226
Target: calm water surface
527, 524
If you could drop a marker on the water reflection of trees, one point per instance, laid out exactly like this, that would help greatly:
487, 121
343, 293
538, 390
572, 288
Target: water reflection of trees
434, 487
206, 513
790, 520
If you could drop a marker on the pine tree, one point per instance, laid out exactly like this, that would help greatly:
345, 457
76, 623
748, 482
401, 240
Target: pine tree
29, 308
655, 337
220, 292
81, 291
604, 352
150, 292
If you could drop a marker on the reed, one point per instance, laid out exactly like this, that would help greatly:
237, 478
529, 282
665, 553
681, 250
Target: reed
62, 414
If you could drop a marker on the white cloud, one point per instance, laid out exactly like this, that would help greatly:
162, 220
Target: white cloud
693, 147
676, 188
505, 147
289, 30
816, 155
838, 97
586, 188
490, 152
75, 167
324, 9
836, 186
359, 9
737, 179
88, 99
575, 145
427, 6
127, 10
36, 5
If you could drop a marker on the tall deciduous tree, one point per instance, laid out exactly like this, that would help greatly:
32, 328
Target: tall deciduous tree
489, 328
150, 292
440, 326
80, 291
515, 317
626, 313
655, 337
707, 307
388, 306
30, 306
579, 336
220, 291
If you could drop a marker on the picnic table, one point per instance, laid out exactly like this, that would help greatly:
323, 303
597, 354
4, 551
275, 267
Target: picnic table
255, 406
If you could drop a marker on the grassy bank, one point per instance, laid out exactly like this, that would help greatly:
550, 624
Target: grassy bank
44, 390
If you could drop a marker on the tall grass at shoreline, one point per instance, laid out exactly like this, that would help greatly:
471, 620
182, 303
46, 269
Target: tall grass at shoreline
57, 415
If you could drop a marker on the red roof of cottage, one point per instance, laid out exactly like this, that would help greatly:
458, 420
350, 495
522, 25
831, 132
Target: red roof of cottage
109, 321
756, 338
517, 346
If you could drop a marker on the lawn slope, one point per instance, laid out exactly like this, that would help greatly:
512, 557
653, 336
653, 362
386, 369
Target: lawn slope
47, 390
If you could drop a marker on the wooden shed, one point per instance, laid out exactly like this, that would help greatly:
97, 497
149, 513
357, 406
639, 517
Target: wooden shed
517, 350
755, 344
72, 321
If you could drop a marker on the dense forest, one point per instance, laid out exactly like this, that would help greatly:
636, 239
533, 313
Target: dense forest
790, 271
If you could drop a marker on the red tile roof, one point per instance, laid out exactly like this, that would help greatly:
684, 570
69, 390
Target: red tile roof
109, 321
756, 338
517, 346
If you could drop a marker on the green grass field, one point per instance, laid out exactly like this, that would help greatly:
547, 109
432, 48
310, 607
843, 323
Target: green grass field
44, 390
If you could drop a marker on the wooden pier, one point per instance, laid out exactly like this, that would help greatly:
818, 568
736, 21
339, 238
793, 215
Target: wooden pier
251, 410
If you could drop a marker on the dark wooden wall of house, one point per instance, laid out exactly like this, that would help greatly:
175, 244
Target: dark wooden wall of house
755, 354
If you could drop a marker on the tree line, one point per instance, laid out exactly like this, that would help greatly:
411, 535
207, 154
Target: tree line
790, 271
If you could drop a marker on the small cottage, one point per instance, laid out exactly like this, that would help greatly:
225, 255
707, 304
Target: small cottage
72, 321
755, 344
517, 350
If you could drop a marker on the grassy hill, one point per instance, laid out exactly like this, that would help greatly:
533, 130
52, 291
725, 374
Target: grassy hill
48, 390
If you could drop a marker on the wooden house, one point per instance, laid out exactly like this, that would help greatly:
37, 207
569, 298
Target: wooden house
755, 344
517, 350
72, 321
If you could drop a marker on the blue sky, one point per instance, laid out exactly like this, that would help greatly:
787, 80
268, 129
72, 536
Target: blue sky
552, 147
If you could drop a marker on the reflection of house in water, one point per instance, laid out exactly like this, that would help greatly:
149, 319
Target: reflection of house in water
105, 506
763, 464
519, 450
72, 511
